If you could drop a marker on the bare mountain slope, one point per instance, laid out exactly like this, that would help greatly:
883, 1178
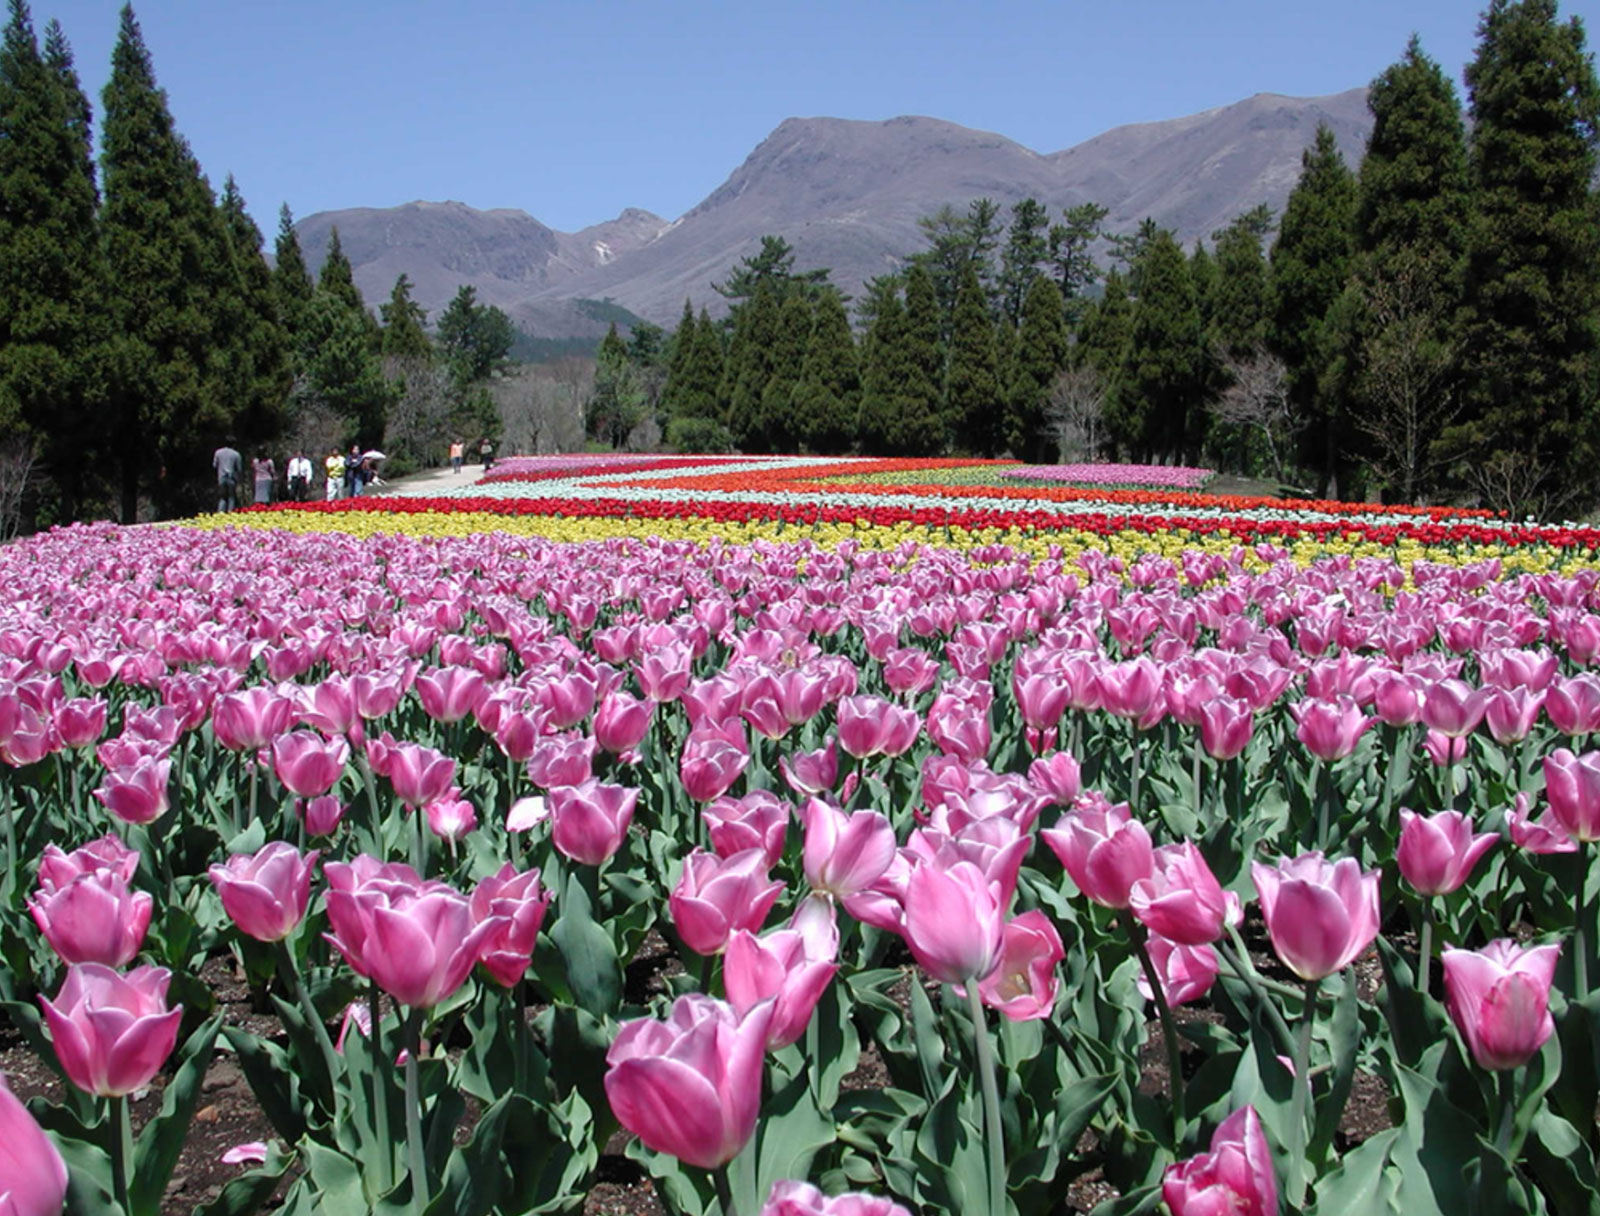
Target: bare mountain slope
847, 195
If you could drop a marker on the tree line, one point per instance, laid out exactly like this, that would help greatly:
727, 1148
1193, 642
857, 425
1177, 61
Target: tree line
141, 324
1425, 327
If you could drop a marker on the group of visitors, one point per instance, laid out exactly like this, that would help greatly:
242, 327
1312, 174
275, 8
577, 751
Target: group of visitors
347, 476
458, 452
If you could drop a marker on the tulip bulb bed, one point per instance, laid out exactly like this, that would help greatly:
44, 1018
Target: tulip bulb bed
524, 842
1141, 476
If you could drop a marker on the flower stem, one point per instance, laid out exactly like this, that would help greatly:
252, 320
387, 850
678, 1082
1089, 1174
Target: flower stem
1169, 1030
1508, 1111
1323, 798
9, 820
255, 776
420, 1192
121, 1150
380, 1094
1425, 954
1580, 941
991, 1103
1258, 986
1302, 1100
291, 973
724, 1191
1133, 783
519, 1035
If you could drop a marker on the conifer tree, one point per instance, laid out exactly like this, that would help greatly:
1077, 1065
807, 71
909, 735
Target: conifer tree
957, 241
250, 345
698, 394
1204, 276
1531, 336
1239, 309
291, 281
1106, 332
337, 277
1165, 367
755, 335
879, 376
166, 268
679, 356
1041, 352
50, 269
405, 335
780, 427
1027, 246
828, 397
1069, 254
972, 383
919, 427
1310, 263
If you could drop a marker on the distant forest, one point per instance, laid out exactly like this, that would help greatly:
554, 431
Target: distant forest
1427, 328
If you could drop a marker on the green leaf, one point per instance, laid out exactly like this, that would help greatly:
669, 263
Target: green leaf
1344, 1035
929, 1039
594, 970
335, 1181
790, 1133
1361, 1184
246, 1194
155, 1155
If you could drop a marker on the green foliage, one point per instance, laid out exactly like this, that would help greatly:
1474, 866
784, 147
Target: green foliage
877, 426
290, 279
779, 422
773, 264
475, 339
956, 243
340, 370
1041, 352
698, 395
1069, 255
1027, 247
251, 348
706, 435
337, 277
828, 398
1166, 364
1239, 304
619, 402
755, 332
1531, 337
972, 382
404, 322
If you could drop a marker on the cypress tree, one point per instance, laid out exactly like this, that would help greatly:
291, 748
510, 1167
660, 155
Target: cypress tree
1027, 246
251, 348
781, 426
698, 393
165, 272
879, 376
50, 269
680, 354
291, 281
972, 384
1107, 330
1238, 308
755, 335
919, 427
405, 334
828, 398
1165, 366
1041, 352
337, 277
1310, 263
1531, 332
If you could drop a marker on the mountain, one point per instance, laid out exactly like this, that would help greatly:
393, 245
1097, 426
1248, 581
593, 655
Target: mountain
847, 195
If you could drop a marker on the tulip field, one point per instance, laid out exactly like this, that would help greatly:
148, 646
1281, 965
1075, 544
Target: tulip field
806, 836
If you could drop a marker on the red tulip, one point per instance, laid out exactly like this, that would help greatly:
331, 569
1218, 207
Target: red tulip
112, 1032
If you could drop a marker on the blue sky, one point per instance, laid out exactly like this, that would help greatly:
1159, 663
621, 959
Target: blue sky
574, 111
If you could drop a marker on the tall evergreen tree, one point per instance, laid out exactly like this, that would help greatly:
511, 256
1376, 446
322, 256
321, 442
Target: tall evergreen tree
1106, 331
780, 425
1203, 278
754, 339
166, 267
957, 241
50, 269
1532, 316
828, 397
699, 396
475, 339
1041, 352
337, 276
919, 418
679, 356
1071, 260
290, 279
880, 372
1165, 367
1310, 263
772, 264
972, 381
1027, 247
1239, 311
249, 341
405, 335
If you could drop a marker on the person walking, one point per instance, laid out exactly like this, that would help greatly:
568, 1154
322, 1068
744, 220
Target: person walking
486, 452
299, 476
352, 472
333, 466
228, 464
265, 473
458, 450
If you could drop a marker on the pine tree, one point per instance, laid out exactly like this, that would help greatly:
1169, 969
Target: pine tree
337, 277
1027, 247
290, 279
618, 403
918, 427
1204, 276
972, 384
50, 269
1531, 337
251, 351
166, 269
405, 335
1165, 367
755, 335
698, 395
780, 426
475, 339
1069, 254
1310, 263
879, 376
679, 357
1107, 330
956, 242
828, 398
1041, 352
1239, 308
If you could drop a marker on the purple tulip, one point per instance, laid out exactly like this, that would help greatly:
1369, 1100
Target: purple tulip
1024, 983
1105, 851
716, 897
590, 821
1572, 787
1499, 999
1181, 899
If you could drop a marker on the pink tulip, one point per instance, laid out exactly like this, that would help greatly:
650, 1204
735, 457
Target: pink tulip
760, 704
1330, 729
92, 917
253, 1152
80, 722
330, 707
1181, 899
871, 726
566, 759
996, 845
419, 774
1573, 706
1397, 698
1499, 999
690, 1086
57, 869
1133, 690
376, 695
714, 755
909, 671
451, 817
1226, 725
418, 942
713, 700
716, 897
137, 794
33, 1178
250, 719
954, 921
1511, 713
1235, 1177
516, 733
664, 672
1436, 854
518, 903
112, 1032
321, 815
812, 772
307, 764
959, 728
621, 722
1104, 850
803, 1199
1057, 776
1443, 749
844, 854
1453, 707
266, 893
1025, 981
1320, 914
1540, 836
590, 821
449, 694
1572, 787
355, 889
1186, 972
789, 967
757, 820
